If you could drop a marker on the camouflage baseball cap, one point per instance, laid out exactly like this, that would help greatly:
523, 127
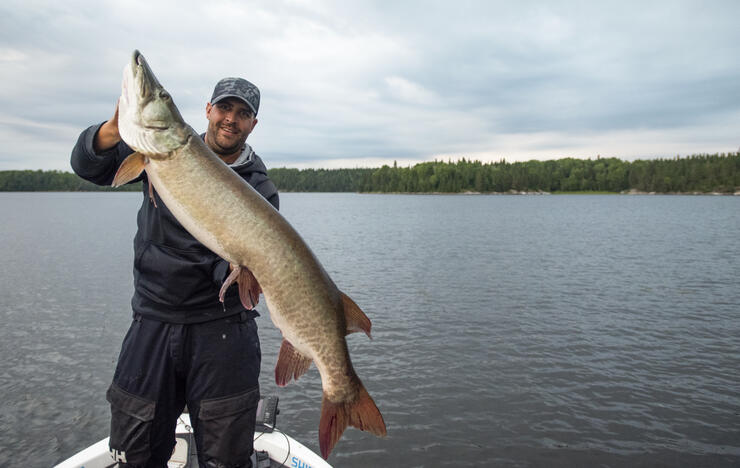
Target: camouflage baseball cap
238, 88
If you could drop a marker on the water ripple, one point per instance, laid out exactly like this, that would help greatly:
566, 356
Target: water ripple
508, 331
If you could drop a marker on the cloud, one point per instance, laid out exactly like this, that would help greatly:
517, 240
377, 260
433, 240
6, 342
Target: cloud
361, 82
410, 92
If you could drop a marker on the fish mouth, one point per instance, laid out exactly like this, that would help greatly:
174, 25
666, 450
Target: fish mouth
146, 83
136, 59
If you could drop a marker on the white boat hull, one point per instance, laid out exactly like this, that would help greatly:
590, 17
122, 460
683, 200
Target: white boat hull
282, 449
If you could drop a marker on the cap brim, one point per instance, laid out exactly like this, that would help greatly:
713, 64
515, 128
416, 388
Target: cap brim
224, 96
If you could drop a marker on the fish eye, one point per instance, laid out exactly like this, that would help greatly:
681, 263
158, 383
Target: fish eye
164, 94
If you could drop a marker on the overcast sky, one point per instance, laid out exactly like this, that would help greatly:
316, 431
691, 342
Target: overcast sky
362, 83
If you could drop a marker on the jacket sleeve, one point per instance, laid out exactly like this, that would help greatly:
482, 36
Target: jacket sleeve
98, 168
269, 191
275, 200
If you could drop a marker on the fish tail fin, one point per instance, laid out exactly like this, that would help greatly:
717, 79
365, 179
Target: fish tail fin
335, 417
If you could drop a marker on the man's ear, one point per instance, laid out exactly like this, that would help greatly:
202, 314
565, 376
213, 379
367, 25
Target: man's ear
208, 109
254, 124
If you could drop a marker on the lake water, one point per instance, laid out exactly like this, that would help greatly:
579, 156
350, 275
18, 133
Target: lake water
514, 331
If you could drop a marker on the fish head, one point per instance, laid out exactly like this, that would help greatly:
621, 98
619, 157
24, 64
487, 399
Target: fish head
148, 120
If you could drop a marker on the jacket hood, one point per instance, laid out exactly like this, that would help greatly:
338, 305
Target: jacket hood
253, 163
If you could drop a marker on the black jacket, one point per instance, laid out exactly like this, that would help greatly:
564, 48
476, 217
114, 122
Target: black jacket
176, 278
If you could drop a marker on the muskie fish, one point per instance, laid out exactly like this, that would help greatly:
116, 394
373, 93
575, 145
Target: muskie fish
229, 217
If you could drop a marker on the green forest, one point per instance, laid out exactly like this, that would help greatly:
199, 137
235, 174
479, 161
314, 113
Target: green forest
693, 174
53, 181
698, 173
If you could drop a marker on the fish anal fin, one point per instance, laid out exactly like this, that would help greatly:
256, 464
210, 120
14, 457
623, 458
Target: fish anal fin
130, 169
335, 417
291, 364
249, 288
354, 316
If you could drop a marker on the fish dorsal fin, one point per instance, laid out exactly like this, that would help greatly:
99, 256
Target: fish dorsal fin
130, 169
291, 364
355, 317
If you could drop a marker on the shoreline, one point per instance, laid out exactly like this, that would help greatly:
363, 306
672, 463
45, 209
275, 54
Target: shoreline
535, 192
468, 192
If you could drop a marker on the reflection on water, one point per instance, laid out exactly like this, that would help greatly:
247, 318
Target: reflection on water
516, 331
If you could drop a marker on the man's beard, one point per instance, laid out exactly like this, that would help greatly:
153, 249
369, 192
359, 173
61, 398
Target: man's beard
223, 150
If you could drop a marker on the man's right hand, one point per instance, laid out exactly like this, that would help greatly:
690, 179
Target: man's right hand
108, 136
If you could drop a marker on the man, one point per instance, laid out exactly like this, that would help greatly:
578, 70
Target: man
184, 346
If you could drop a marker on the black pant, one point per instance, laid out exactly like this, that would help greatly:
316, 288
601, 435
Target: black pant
212, 366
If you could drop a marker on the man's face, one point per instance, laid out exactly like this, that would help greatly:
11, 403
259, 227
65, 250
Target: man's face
230, 121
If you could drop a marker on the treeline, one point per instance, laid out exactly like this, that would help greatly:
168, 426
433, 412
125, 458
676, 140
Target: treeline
323, 180
53, 181
697, 173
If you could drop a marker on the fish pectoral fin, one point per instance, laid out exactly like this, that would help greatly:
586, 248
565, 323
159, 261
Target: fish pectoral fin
130, 169
249, 288
291, 364
355, 317
335, 417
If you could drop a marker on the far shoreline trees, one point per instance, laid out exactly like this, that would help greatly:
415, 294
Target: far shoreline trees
697, 173
692, 174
